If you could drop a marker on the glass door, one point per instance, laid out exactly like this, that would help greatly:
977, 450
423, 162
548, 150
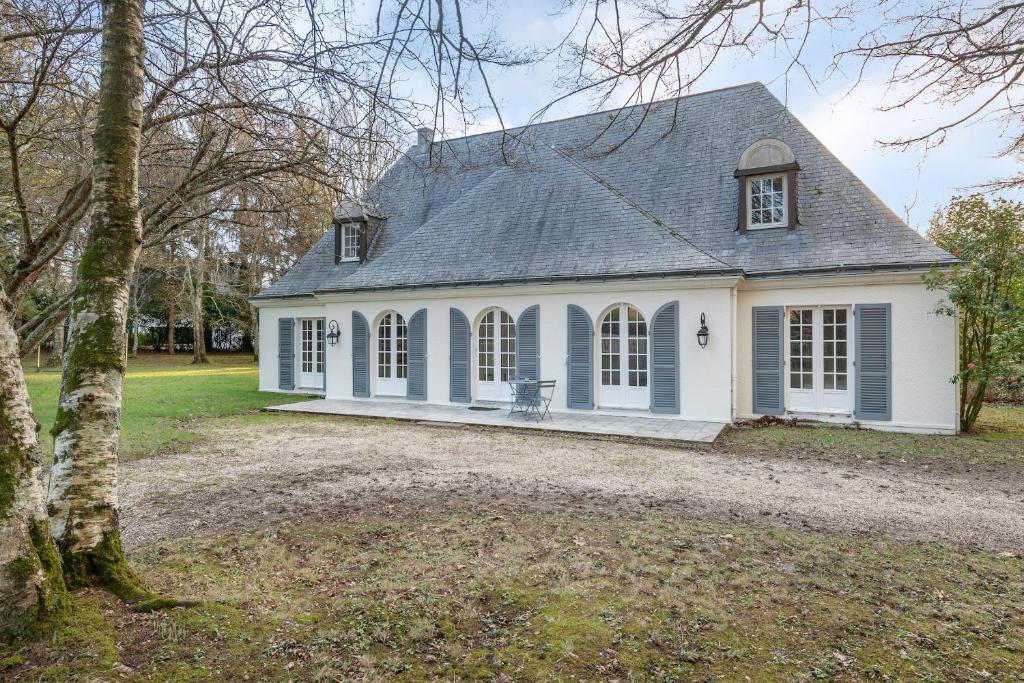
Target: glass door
624, 359
392, 356
496, 356
819, 360
311, 342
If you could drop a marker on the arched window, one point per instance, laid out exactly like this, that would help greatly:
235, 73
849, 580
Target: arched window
624, 358
496, 355
392, 355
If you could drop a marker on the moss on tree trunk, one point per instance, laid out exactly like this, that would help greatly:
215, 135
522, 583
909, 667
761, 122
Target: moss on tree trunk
82, 500
31, 586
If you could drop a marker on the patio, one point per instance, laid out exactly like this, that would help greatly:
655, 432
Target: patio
496, 415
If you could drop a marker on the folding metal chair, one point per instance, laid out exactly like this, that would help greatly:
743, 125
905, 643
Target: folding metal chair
545, 392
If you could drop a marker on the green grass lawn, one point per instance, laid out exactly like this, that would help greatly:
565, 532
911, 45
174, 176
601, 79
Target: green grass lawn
163, 396
998, 439
502, 592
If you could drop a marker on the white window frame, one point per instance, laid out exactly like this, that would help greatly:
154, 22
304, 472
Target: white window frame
623, 358
816, 397
495, 355
750, 201
392, 370
311, 353
349, 241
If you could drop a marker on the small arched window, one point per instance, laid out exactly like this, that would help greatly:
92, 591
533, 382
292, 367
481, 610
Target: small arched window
767, 186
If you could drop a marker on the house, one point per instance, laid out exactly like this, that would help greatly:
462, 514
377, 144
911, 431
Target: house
594, 249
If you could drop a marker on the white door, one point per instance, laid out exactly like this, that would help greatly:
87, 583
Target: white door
820, 355
392, 356
496, 356
624, 359
311, 366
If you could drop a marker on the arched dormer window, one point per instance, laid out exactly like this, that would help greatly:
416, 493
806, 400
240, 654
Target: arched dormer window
767, 186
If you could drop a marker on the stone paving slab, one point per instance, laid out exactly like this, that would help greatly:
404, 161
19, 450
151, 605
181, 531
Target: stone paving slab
662, 428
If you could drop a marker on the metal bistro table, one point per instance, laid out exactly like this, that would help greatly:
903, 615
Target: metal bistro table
528, 397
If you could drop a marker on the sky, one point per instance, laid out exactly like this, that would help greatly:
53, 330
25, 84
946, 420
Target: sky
913, 182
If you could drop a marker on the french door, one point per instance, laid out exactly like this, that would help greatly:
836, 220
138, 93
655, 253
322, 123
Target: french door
820, 365
392, 356
311, 361
624, 359
496, 356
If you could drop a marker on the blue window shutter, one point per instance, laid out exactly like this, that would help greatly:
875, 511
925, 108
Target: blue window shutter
664, 375
873, 361
767, 328
323, 346
286, 353
528, 344
360, 355
416, 386
580, 361
458, 357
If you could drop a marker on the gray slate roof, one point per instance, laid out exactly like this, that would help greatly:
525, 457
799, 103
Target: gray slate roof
641, 191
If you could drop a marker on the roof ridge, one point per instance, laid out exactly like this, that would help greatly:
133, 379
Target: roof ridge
516, 129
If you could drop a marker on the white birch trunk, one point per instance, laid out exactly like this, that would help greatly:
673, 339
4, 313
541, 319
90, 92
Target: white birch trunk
82, 498
31, 586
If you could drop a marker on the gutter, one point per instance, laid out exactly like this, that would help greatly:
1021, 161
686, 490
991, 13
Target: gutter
852, 269
793, 272
534, 281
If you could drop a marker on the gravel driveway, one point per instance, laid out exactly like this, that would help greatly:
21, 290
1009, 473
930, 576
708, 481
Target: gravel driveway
262, 474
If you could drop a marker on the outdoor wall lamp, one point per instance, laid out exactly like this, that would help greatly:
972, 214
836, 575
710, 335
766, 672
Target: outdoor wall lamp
702, 333
334, 335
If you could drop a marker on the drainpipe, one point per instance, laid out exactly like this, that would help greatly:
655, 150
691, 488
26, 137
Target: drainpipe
734, 336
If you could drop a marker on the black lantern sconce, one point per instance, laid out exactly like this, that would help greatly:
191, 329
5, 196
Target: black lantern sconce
334, 334
702, 333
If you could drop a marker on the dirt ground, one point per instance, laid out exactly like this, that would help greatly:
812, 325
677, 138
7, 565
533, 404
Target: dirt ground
257, 475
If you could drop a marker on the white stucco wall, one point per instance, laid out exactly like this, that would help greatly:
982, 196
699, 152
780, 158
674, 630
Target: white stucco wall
715, 383
704, 384
924, 344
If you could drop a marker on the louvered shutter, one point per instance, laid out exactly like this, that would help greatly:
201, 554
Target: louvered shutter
664, 374
360, 355
416, 386
286, 353
528, 344
873, 361
579, 364
768, 360
458, 356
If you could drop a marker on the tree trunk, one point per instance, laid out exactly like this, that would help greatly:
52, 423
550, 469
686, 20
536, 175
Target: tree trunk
255, 334
57, 352
31, 585
198, 282
82, 499
134, 312
170, 328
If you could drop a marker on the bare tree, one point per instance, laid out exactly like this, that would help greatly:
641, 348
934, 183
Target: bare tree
225, 98
964, 57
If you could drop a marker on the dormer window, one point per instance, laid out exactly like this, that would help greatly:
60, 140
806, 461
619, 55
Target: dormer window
355, 224
767, 175
766, 202
350, 241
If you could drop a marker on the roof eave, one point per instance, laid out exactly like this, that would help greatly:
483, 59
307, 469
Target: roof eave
555, 279
855, 268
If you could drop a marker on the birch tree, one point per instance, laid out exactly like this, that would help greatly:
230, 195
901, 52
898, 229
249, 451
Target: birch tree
82, 499
31, 585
